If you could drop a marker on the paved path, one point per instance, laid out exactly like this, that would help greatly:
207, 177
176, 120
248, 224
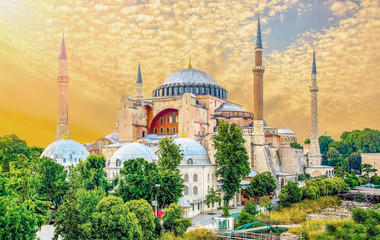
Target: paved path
46, 232
204, 219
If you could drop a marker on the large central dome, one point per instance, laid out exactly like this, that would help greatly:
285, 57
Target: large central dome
190, 80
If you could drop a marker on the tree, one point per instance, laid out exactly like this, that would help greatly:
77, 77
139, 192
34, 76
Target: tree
332, 153
144, 214
73, 219
324, 142
265, 202
113, 219
355, 161
231, 158
307, 141
18, 221
50, 181
212, 197
171, 188
248, 213
367, 168
89, 174
173, 220
11, 146
296, 145
137, 180
290, 194
170, 154
262, 184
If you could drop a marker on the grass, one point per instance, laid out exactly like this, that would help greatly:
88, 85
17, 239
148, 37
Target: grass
296, 213
315, 228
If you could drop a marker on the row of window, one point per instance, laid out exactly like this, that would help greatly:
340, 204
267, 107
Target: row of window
167, 130
289, 139
169, 119
195, 190
175, 91
195, 176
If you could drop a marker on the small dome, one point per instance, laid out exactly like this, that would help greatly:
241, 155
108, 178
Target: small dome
194, 152
113, 137
66, 152
285, 131
229, 107
132, 151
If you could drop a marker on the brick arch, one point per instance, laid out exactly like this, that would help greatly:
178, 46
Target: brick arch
156, 124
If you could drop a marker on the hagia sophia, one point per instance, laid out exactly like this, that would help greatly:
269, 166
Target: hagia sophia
188, 106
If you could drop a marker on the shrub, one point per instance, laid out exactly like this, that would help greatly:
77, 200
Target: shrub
201, 233
226, 212
359, 215
290, 194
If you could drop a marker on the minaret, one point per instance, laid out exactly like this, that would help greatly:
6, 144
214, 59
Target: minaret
63, 84
315, 158
139, 84
258, 73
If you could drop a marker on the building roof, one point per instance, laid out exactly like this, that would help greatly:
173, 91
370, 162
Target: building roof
189, 76
285, 131
229, 107
66, 151
113, 137
132, 150
194, 152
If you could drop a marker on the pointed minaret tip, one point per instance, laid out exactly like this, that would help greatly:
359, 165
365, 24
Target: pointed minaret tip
62, 52
314, 66
259, 43
189, 66
139, 78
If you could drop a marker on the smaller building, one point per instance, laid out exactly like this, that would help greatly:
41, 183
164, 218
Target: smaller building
316, 171
373, 159
287, 136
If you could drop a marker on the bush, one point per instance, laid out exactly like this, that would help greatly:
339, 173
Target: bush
174, 222
200, 234
226, 212
248, 213
290, 194
375, 179
301, 177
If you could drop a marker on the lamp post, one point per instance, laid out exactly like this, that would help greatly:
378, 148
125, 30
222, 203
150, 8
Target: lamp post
157, 186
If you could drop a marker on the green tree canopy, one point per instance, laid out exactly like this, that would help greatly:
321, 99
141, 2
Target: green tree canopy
212, 197
113, 220
296, 145
262, 184
290, 193
89, 174
173, 220
231, 158
50, 181
144, 214
249, 213
307, 141
170, 154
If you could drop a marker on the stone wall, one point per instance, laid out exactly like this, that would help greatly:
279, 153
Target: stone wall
373, 159
292, 160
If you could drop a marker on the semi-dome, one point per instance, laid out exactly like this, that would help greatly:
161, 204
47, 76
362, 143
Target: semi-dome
285, 131
132, 151
66, 152
194, 152
190, 80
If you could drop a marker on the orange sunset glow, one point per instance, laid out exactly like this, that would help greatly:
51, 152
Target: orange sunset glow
105, 40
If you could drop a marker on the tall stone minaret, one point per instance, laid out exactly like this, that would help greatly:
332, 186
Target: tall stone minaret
258, 72
63, 84
139, 84
315, 157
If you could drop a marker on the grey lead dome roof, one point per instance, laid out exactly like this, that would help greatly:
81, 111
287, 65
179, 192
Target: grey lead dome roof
66, 152
188, 76
194, 151
132, 151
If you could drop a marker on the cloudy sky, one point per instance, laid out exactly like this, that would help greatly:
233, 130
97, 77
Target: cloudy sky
106, 39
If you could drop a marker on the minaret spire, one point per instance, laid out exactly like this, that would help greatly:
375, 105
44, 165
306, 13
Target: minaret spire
259, 43
139, 84
63, 87
315, 158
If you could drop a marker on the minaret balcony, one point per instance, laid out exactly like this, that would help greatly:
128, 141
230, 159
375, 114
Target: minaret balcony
258, 68
314, 88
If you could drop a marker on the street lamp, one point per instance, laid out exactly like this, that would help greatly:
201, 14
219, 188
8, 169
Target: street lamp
157, 186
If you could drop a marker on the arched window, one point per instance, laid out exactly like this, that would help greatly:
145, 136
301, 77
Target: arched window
195, 178
168, 118
161, 121
167, 130
109, 162
103, 143
174, 117
190, 161
195, 191
186, 177
118, 163
208, 177
143, 133
208, 189
174, 130
163, 92
155, 130
161, 130
186, 191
